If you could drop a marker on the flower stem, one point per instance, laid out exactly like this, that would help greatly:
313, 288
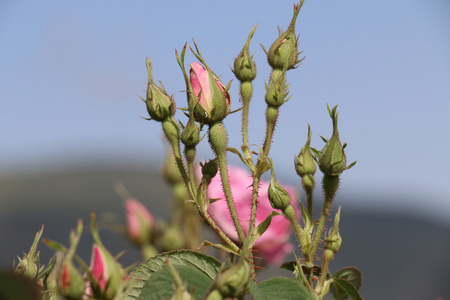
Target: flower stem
221, 234
218, 140
252, 221
330, 185
289, 214
246, 89
271, 120
172, 132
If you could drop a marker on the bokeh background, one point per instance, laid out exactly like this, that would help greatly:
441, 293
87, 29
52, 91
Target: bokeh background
71, 73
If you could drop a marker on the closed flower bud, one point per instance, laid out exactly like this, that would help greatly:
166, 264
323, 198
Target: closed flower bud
108, 276
159, 104
233, 282
279, 198
283, 54
213, 97
107, 272
333, 241
332, 159
209, 170
71, 284
304, 162
244, 66
190, 136
173, 238
29, 264
139, 222
277, 91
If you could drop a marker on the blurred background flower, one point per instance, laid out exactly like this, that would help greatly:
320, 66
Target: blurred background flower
274, 244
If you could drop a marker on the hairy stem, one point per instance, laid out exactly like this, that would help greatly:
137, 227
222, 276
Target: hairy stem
330, 186
218, 140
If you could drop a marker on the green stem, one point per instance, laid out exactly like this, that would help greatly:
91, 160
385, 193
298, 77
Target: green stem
289, 214
221, 234
218, 140
255, 190
327, 257
172, 132
189, 153
309, 190
246, 89
271, 120
330, 185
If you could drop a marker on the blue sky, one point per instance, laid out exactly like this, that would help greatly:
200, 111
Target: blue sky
71, 73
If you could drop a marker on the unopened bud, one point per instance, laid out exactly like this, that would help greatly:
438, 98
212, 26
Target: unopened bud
29, 264
244, 66
190, 136
139, 222
209, 170
279, 198
333, 241
108, 277
71, 284
332, 159
159, 104
304, 162
283, 54
277, 90
173, 238
233, 282
213, 97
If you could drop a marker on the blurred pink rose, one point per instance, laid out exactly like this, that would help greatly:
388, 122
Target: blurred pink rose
274, 244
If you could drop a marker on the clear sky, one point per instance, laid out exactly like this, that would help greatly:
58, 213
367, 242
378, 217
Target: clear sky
71, 73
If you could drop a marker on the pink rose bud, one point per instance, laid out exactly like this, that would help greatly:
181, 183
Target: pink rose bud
139, 222
107, 273
71, 284
213, 98
107, 277
274, 243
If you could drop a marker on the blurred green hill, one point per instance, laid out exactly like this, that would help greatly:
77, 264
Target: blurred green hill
401, 256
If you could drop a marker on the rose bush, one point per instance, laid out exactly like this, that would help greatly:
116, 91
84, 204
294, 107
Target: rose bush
274, 244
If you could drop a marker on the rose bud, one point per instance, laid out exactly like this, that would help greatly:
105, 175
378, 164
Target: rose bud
213, 97
159, 104
139, 222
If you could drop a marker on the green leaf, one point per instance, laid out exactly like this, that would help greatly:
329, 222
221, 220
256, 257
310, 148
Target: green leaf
236, 151
162, 284
256, 292
350, 274
262, 227
346, 282
196, 262
280, 288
